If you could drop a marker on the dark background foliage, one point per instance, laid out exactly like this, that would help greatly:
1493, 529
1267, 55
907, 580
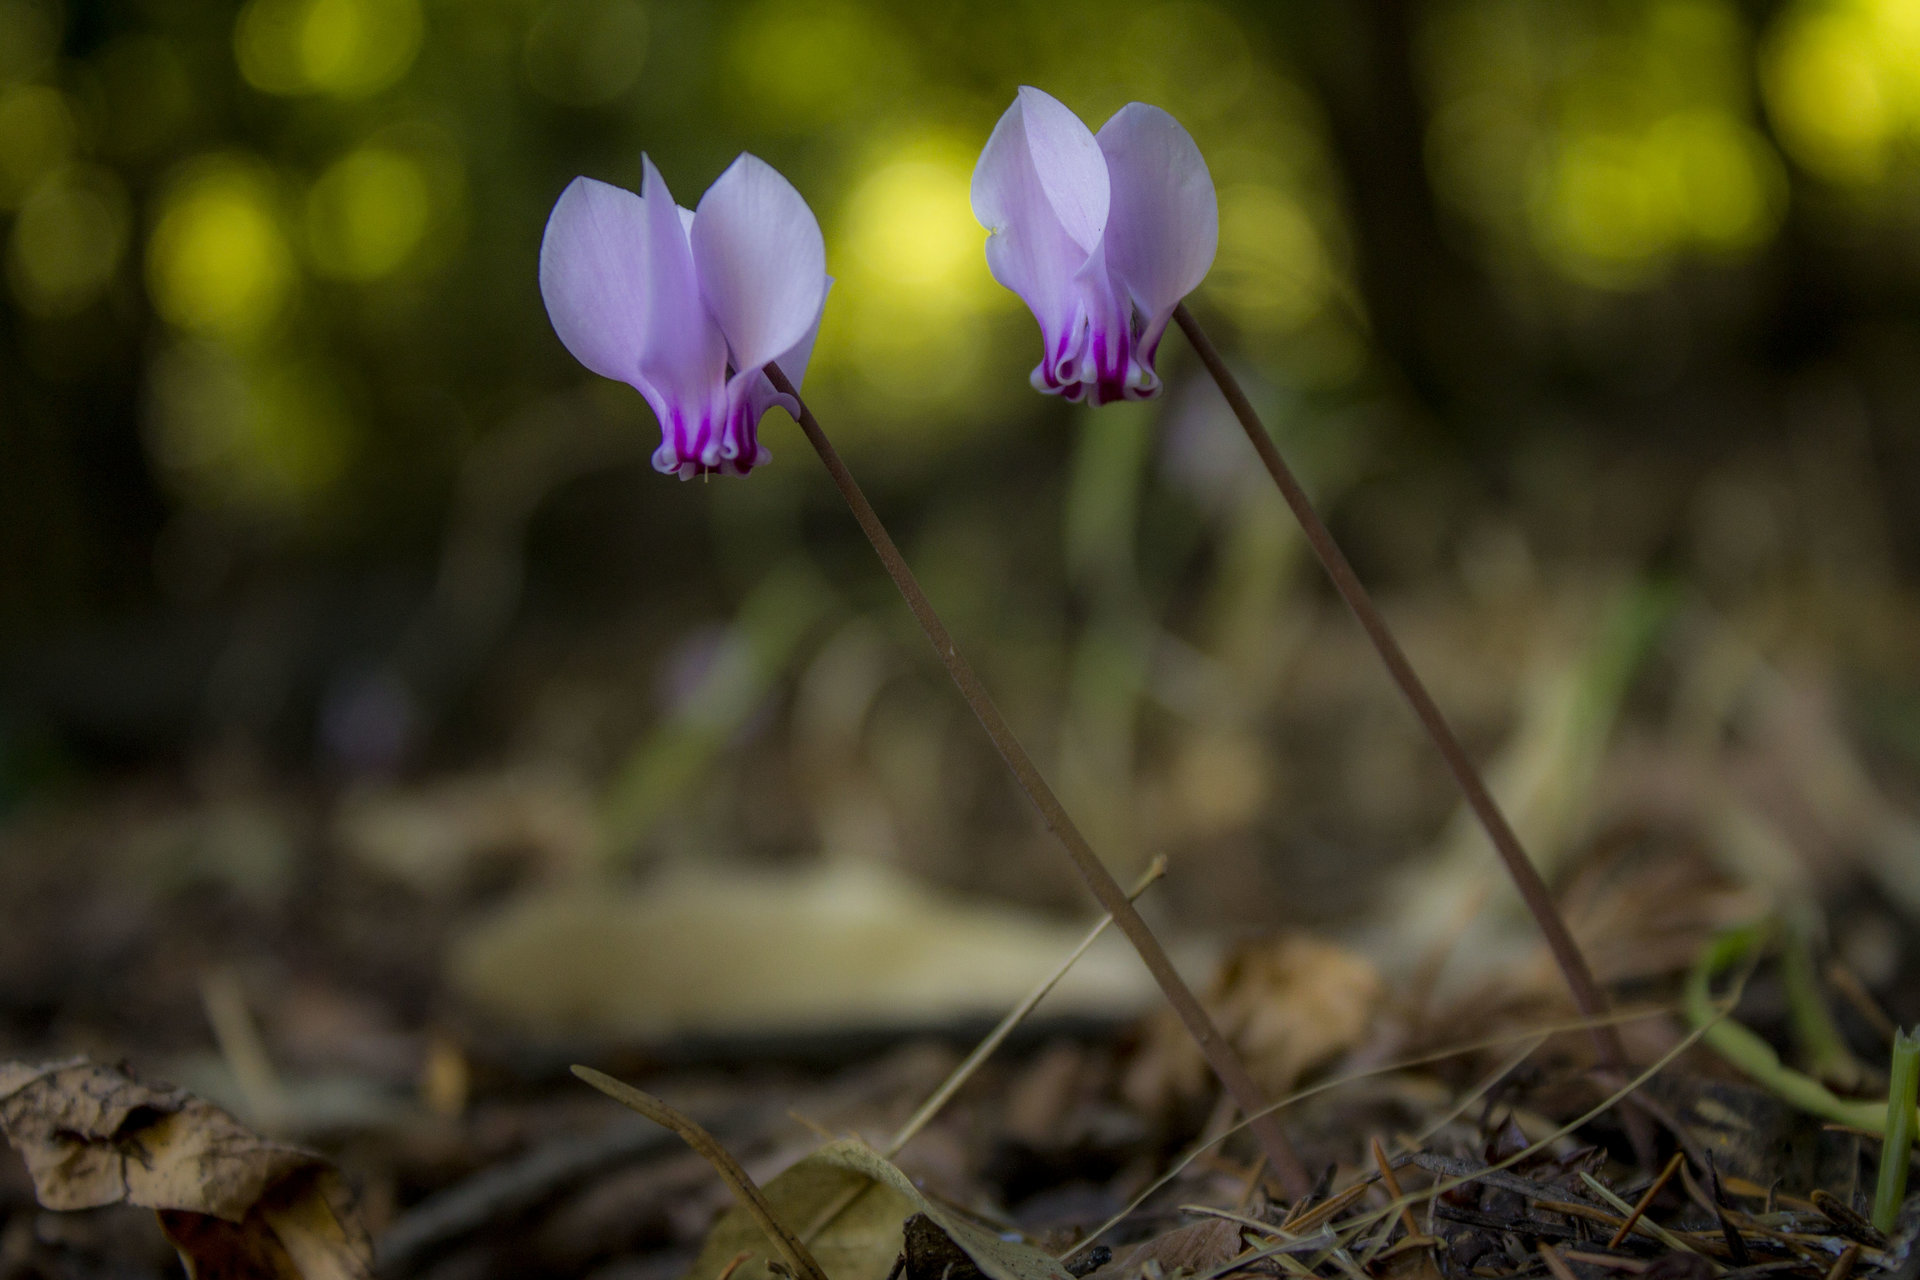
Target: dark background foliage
1544, 295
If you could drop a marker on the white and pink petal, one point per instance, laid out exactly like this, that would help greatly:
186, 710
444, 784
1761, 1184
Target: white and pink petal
1068, 160
761, 261
1164, 226
1030, 250
593, 276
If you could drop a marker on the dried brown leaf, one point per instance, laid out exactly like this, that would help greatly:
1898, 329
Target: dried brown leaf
234, 1203
1197, 1248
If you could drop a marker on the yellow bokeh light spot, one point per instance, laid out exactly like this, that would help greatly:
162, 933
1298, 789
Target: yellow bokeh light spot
1728, 186
1824, 85
911, 222
367, 214
348, 48
218, 261
1616, 205
1602, 211
68, 239
1615, 138
36, 134
915, 277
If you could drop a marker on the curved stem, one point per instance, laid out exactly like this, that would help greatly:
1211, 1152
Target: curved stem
1106, 890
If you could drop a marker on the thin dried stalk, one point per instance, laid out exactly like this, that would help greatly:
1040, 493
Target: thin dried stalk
751, 1198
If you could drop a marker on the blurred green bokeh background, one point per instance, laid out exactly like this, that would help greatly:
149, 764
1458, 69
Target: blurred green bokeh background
291, 463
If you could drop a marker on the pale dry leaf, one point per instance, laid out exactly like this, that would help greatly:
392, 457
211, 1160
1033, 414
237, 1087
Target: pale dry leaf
92, 1136
705, 951
234, 1203
996, 1258
862, 1241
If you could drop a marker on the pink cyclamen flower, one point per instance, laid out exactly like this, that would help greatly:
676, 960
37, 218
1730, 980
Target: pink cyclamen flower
689, 305
1100, 235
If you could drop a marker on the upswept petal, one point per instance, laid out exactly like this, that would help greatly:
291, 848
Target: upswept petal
684, 359
1165, 223
593, 276
1067, 157
1028, 249
760, 260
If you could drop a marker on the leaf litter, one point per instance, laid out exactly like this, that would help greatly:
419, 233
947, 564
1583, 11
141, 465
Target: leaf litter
1468, 1081
232, 1202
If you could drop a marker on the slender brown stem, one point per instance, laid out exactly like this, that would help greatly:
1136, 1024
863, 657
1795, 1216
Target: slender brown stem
1107, 891
799, 1261
1647, 1198
1526, 878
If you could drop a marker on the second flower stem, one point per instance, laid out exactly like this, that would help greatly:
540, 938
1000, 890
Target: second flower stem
1106, 890
1526, 878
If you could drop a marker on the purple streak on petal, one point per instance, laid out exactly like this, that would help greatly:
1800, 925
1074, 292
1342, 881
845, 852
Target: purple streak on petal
1108, 369
683, 365
1029, 249
593, 276
1165, 223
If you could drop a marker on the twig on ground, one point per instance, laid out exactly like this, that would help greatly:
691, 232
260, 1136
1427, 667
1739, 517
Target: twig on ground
1180, 1166
1440, 1188
1393, 1188
1670, 1239
1646, 1198
1555, 1263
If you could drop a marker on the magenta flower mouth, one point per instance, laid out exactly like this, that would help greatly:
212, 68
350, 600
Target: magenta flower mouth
688, 306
